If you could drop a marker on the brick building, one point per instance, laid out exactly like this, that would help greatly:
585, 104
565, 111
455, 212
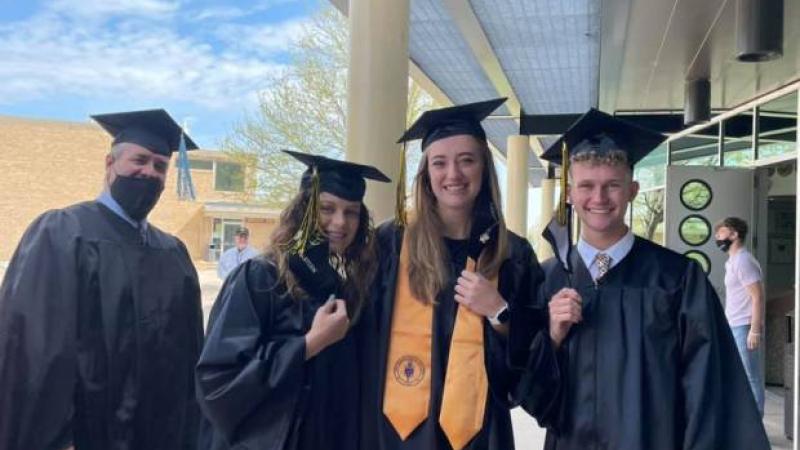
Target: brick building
51, 164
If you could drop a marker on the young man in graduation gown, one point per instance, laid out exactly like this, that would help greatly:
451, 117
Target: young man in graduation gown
454, 286
649, 362
100, 318
280, 369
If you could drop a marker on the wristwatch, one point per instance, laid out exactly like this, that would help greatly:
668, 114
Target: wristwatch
500, 317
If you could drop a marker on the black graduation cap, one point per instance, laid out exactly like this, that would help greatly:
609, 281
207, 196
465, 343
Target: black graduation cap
455, 120
341, 178
153, 129
599, 132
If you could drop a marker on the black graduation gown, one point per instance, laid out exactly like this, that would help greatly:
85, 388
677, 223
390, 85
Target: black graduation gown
518, 283
254, 385
653, 365
99, 332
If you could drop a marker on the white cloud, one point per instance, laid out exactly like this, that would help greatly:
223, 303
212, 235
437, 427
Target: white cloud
103, 9
228, 12
49, 56
264, 39
217, 13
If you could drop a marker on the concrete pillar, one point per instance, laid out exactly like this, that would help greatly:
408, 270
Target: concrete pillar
548, 188
516, 212
377, 93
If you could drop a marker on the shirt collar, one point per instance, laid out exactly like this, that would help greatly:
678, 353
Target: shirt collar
617, 252
108, 201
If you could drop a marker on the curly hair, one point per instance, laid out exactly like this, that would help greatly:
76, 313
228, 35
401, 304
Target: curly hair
358, 264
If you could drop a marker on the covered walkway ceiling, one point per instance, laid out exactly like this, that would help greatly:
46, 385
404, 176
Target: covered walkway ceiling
564, 56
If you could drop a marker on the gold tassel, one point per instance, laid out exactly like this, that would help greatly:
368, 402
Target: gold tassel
400, 206
308, 233
562, 203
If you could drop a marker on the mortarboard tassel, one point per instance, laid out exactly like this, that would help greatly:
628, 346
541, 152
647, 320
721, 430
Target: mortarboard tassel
400, 207
308, 233
558, 232
562, 202
185, 186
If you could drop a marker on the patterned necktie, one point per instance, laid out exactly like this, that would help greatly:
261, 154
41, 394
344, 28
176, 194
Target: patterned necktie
603, 262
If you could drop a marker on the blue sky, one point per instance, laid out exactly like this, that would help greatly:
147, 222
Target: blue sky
203, 60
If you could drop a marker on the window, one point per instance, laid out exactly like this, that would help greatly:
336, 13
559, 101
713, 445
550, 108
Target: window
696, 195
694, 230
199, 164
738, 143
229, 177
698, 149
777, 126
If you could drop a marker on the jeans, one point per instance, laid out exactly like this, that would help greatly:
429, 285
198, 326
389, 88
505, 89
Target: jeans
752, 363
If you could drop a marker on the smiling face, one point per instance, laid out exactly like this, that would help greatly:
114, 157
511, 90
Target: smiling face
339, 220
455, 167
600, 194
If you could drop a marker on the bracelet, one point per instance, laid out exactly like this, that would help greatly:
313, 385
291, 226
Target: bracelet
755, 334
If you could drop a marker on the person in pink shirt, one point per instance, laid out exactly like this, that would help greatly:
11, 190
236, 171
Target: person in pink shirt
744, 300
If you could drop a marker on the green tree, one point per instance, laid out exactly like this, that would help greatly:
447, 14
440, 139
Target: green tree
305, 109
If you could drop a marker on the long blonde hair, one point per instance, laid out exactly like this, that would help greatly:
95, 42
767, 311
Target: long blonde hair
359, 260
429, 269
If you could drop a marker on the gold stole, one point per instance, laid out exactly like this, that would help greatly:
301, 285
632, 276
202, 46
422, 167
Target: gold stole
407, 391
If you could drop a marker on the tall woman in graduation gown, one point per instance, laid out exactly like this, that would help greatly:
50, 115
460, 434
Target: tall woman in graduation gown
446, 369
279, 367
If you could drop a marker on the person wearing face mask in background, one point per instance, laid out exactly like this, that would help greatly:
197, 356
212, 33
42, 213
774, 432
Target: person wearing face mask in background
744, 300
280, 366
100, 317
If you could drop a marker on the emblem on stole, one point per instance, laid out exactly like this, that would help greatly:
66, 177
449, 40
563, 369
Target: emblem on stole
409, 370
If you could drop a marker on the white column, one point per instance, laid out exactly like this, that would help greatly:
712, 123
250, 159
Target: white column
516, 213
548, 189
377, 93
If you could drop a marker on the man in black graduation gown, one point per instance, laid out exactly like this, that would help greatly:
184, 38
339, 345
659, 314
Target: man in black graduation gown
100, 318
649, 362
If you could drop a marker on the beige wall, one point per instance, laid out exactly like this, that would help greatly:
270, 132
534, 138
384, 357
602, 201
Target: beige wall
50, 164
260, 231
45, 165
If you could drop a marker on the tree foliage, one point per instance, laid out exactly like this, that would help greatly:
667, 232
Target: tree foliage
304, 108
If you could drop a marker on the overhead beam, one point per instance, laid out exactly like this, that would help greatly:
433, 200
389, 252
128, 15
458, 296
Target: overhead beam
546, 124
470, 27
422, 79
471, 30
615, 20
556, 124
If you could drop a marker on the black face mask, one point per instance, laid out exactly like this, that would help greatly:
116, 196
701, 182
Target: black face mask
137, 196
724, 244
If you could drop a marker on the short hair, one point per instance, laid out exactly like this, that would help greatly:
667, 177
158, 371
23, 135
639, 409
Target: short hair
610, 158
117, 149
735, 224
